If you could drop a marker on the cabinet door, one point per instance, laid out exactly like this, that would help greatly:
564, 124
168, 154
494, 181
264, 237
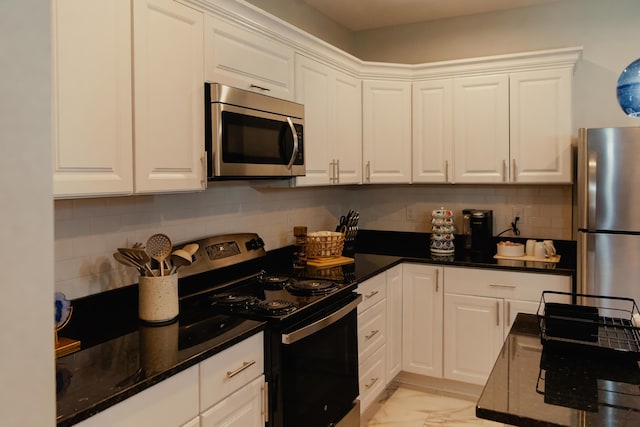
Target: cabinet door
386, 131
432, 130
347, 122
473, 336
313, 89
422, 298
92, 152
540, 111
481, 129
513, 307
244, 408
168, 97
394, 323
245, 59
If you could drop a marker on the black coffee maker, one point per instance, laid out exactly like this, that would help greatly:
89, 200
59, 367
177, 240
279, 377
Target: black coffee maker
477, 228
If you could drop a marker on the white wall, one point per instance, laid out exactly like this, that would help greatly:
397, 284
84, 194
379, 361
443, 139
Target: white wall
27, 396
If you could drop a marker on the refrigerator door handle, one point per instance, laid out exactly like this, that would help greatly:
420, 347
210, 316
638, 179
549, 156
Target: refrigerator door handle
592, 169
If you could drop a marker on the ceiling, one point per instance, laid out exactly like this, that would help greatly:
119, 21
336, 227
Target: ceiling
357, 15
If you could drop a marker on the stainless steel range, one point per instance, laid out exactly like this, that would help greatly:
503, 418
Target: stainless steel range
311, 354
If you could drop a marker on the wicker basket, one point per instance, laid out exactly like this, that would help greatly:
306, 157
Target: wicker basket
324, 244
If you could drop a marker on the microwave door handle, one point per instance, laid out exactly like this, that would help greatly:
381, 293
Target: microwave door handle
295, 143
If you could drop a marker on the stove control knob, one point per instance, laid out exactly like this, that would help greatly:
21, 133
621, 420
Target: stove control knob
254, 244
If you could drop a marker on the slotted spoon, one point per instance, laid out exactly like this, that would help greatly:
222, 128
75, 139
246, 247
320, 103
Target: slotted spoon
159, 248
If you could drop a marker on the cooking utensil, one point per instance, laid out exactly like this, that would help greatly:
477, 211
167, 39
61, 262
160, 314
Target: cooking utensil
159, 248
129, 262
183, 257
139, 256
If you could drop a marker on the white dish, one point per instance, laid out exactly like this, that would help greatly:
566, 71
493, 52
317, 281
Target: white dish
510, 249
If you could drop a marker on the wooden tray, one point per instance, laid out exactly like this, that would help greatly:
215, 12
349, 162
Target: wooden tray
329, 262
554, 259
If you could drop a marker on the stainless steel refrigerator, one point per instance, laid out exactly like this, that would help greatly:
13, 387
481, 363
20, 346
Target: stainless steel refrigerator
609, 212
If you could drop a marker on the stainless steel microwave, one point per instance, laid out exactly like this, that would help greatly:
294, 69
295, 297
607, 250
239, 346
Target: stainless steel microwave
250, 135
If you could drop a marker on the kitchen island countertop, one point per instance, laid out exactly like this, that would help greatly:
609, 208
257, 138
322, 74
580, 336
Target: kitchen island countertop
536, 385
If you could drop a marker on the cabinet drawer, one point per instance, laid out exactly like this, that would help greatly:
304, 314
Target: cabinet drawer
371, 330
231, 369
244, 407
373, 291
503, 284
372, 381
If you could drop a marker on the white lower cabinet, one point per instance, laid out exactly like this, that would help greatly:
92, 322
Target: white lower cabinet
227, 389
243, 408
473, 337
171, 403
379, 333
422, 293
479, 308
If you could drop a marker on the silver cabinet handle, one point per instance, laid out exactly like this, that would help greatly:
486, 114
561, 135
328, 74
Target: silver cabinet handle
371, 335
497, 313
504, 171
500, 285
437, 280
204, 170
337, 175
245, 365
262, 88
295, 143
316, 326
372, 383
368, 171
371, 294
513, 170
446, 171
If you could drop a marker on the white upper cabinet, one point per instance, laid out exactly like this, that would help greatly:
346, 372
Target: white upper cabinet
93, 135
540, 112
333, 117
386, 131
481, 128
432, 130
168, 97
99, 90
242, 58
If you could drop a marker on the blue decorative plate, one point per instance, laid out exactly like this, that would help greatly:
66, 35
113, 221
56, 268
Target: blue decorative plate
628, 89
63, 309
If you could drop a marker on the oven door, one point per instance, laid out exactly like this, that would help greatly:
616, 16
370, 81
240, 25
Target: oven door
253, 143
320, 367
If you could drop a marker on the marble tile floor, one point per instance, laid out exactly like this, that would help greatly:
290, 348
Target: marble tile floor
402, 406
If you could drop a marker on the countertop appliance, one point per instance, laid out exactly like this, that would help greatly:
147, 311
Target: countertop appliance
311, 345
608, 212
250, 135
478, 229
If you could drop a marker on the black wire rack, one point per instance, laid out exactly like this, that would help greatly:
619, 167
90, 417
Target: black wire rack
606, 324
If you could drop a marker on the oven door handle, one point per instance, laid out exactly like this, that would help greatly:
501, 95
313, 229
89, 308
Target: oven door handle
314, 327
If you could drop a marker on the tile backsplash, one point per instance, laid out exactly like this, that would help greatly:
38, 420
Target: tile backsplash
87, 231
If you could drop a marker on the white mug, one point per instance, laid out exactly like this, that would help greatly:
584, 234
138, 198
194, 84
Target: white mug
540, 251
530, 247
548, 245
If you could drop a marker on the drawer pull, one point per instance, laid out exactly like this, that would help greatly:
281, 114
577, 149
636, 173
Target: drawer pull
372, 383
372, 334
245, 365
499, 285
371, 294
260, 88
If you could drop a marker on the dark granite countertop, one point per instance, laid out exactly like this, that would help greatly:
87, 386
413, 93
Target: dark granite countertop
536, 385
110, 367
